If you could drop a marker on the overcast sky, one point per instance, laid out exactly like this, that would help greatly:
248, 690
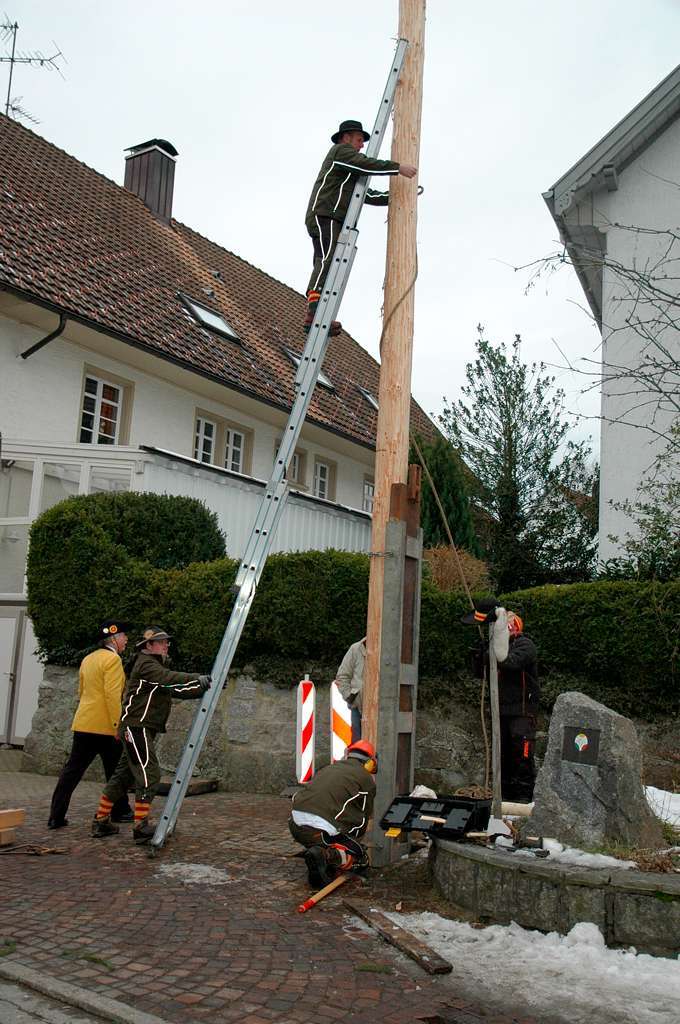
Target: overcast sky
249, 93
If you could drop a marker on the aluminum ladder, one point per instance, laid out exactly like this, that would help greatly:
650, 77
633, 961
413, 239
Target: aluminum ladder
276, 492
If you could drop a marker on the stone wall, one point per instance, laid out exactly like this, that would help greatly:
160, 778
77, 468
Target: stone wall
631, 908
251, 742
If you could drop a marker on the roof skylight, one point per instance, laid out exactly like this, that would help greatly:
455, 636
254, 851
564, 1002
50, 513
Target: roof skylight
209, 318
322, 378
370, 398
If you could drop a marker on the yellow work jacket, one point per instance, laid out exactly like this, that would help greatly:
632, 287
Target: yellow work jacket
102, 681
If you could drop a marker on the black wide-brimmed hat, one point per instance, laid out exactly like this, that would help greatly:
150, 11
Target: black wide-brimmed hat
152, 633
109, 627
349, 126
484, 611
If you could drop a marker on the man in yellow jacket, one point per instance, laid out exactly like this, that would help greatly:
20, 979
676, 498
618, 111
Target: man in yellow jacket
96, 721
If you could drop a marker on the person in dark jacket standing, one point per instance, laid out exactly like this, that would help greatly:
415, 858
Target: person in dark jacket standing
147, 702
101, 681
331, 196
518, 694
518, 697
332, 812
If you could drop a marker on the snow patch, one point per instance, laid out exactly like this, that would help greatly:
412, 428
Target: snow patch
424, 791
568, 855
575, 976
664, 804
572, 855
194, 874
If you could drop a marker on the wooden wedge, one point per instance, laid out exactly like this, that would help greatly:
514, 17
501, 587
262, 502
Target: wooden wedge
12, 818
7, 836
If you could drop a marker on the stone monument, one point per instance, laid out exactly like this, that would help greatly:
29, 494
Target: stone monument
589, 790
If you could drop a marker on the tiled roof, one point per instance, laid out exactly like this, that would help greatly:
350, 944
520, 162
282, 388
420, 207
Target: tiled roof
74, 240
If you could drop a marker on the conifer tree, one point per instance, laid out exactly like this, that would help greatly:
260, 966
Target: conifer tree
445, 467
535, 485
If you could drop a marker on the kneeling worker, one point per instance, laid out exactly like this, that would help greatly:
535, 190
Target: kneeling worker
147, 702
332, 811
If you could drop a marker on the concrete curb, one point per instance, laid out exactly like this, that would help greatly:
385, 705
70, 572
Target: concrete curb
108, 1009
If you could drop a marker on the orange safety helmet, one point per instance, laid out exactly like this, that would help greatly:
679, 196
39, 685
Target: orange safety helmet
515, 624
366, 752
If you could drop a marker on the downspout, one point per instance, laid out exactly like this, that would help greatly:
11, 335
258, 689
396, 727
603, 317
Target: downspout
63, 319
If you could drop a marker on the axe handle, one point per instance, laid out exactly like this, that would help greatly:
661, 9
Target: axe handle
313, 900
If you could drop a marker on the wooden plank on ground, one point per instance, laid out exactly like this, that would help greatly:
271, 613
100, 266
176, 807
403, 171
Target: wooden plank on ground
195, 788
7, 836
423, 955
12, 817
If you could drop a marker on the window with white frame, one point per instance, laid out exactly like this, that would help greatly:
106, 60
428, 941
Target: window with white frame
29, 487
322, 479
235, 444
101, 412
204, 439
294, 467
369, 494
218, 442
297, 467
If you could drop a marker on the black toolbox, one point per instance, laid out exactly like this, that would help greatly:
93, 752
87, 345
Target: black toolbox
444, 817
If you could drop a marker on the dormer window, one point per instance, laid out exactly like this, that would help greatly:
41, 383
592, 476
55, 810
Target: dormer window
370, 398
210, 318
322, 378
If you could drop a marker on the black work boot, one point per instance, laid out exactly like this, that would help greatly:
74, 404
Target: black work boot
102, 827
315, 859
124, 815
57, 823
144, 832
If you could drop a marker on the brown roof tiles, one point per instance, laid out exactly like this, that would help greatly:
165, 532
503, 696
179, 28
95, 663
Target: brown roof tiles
73, 240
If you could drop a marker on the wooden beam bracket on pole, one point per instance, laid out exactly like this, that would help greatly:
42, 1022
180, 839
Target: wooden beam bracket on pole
399, 649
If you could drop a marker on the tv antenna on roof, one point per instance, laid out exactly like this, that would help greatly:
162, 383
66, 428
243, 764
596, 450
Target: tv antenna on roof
34, 58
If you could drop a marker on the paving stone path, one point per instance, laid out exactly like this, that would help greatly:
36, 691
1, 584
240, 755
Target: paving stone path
19, 1005
208, 930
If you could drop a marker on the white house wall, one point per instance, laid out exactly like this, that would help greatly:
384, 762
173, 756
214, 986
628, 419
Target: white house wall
41, 399
643, 199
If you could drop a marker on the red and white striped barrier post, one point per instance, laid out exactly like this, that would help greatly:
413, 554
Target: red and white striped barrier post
341, 724
304, 733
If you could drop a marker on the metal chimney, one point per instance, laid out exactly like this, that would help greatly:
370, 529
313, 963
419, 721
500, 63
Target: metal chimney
150, 174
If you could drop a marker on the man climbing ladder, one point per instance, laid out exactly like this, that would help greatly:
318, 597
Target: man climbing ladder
330, 199
276, 492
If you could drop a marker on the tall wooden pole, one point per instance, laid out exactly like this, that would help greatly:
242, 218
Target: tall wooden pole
392, 442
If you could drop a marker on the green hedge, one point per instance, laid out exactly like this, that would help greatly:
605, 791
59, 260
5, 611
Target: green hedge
104, 554
619, 640
167, 532
615, 641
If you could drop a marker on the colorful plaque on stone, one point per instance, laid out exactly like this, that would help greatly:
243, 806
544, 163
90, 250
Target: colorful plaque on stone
581, 745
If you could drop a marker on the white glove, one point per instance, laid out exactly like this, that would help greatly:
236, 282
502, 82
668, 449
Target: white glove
501, 635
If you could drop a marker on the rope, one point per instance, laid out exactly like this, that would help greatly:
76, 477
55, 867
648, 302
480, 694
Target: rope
397, 305
445, 521
482, 715
386, 323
